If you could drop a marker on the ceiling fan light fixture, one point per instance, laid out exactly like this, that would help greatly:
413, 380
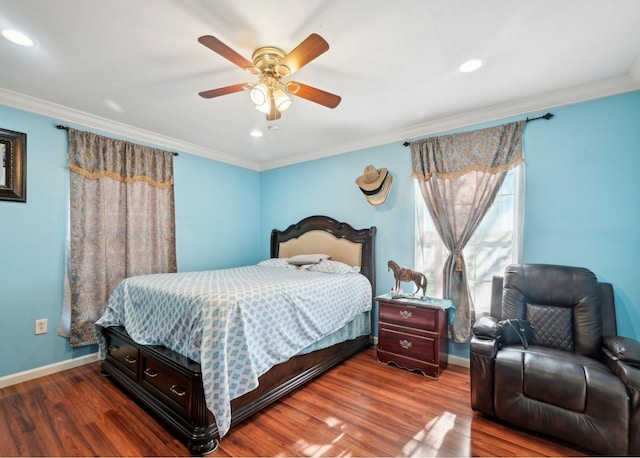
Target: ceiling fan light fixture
259, 94
270, 95
281, 99
264, 107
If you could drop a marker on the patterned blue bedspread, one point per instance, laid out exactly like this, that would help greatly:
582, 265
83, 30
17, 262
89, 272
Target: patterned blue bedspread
237, 323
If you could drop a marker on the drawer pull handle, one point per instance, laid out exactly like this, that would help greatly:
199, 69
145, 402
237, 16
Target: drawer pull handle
406, 314
130, 359
405, 344
151, 373
178, 390
113, 348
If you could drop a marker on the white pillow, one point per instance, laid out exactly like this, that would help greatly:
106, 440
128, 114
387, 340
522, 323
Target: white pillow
333, 267
274, 262
304, 259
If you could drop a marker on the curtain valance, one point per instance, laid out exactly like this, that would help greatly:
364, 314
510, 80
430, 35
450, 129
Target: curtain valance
491, 150
94, 156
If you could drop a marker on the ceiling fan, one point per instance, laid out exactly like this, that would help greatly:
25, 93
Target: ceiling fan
273, 66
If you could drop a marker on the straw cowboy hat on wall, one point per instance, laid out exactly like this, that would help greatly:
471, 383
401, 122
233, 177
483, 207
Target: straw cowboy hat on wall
375, 184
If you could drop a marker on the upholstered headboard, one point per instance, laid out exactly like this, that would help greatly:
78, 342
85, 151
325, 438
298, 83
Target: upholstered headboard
322, 234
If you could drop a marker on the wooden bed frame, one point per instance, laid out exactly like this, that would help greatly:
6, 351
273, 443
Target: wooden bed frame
170, 385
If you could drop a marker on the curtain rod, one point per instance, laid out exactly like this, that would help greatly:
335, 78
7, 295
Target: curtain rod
544, 116
61, 127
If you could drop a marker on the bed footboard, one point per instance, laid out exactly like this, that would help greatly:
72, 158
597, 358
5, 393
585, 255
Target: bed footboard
166, 383
170, 385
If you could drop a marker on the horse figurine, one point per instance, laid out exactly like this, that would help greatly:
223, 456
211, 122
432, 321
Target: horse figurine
407, 275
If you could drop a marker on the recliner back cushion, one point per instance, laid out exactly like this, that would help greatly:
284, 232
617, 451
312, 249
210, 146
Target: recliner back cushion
532, 290
553, 326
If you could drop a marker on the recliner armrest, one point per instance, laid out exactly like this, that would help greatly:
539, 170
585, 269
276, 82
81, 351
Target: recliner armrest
482, 353
624, 349
630, 375
486, 327
484, 346
485, 337
628, 372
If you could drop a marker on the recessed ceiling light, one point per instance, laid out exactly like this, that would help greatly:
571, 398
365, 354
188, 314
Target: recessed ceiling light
18, 38
256, 133
472, 65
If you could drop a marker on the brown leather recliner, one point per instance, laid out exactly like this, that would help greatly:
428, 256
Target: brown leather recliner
577, 380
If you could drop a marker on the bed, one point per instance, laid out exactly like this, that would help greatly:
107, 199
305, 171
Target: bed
193, 367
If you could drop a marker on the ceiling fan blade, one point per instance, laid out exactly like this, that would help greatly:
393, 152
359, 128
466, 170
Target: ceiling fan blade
305, 52
274, 113
313, 94
223, 91
225, 51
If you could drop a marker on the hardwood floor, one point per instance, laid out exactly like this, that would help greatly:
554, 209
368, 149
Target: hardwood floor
360, 408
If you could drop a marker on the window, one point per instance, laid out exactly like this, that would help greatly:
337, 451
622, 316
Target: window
496, 243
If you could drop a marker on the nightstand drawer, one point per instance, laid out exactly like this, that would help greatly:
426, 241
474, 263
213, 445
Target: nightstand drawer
408, 345
408, 315
123, 354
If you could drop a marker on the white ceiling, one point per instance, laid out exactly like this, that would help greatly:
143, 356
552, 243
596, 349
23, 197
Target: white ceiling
393, 62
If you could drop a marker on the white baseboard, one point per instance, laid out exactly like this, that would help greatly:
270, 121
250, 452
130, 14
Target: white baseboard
458, 361
38, 372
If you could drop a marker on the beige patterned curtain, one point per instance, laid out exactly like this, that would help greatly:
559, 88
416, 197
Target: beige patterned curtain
459, 176
122, 222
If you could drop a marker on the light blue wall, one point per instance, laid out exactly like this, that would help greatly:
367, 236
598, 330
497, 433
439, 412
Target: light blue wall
32, 250
215, 228
583, 195
582, 209
210, 233
327, 187
582, 202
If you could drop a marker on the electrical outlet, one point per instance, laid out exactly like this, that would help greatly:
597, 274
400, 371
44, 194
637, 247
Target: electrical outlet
41, 326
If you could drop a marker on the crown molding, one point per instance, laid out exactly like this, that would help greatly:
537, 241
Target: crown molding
87, 120
527, 106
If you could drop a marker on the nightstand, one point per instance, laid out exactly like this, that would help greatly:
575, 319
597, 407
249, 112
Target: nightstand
412, 333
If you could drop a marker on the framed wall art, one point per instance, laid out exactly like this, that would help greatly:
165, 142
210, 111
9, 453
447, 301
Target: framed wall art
13, 168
